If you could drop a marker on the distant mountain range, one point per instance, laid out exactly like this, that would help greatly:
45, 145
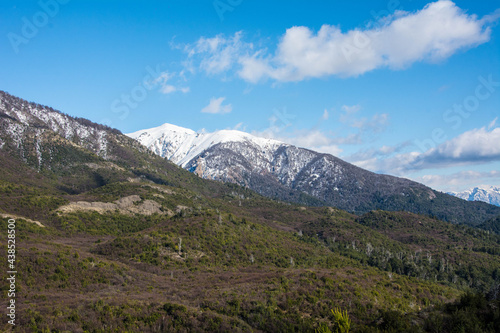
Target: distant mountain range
286, 172
485, 193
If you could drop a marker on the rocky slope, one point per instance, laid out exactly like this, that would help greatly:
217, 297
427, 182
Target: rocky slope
27, 124
58, 147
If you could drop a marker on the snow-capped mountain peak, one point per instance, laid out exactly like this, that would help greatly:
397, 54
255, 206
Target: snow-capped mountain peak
486, 193
181, 145
271, 167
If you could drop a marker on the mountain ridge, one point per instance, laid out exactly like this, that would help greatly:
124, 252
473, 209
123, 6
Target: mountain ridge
174, 142
271, 168
286, 172
485, 193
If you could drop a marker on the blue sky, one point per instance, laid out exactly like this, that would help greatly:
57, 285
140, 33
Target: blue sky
408, 88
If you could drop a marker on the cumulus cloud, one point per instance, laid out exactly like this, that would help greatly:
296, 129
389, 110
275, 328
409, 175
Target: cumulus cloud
434, 33
477, 146
254, 67
215, 106
397, 41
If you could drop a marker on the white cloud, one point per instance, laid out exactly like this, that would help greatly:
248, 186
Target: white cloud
493, 123
477, 146
218, 54
168, 89
215, 106
253, 68
313, 139
374, 125
238, 127
434, 33
350, 109
281, 128
387, 159
460, 180
331, 149
165, 87
163, 78
310, 139
431, 34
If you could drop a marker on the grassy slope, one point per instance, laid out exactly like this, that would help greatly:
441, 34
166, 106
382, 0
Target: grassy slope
131, 277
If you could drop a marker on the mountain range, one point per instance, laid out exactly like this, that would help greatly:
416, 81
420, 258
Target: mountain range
269, 167
112, 237
286, 172
485, 193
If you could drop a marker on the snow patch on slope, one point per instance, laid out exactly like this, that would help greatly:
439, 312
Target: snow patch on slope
24, 115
